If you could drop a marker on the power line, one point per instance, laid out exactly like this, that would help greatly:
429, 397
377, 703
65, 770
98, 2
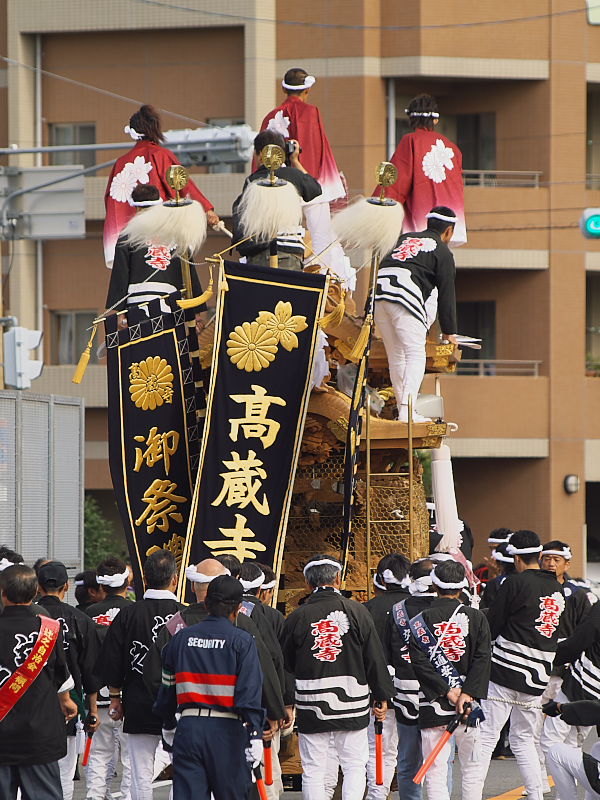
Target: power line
346, 26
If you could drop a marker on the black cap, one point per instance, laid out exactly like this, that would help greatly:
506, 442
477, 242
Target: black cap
225, 589
52, 574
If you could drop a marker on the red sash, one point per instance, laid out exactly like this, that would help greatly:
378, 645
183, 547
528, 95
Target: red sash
24, 676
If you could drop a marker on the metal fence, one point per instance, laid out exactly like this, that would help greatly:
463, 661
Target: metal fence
495, 177
41, 476
490, 367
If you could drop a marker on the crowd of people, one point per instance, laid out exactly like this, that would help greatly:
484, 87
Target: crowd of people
208, 686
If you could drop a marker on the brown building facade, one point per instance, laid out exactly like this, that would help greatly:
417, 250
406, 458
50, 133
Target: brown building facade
518, 85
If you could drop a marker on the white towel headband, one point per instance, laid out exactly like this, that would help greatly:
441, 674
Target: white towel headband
501, 557
309, 81
113, 581
495, 540
270, 585
433, 114
420, 585
246, 585
192, 574
389, 577
79, 583
5, 564
443, 217
320, 561
145, 203
437, 582
133, 133
521, 551
565, 553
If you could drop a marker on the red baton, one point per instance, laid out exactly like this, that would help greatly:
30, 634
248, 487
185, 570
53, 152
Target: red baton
268, 763
86, 752
446, 735
260, 784
378, 750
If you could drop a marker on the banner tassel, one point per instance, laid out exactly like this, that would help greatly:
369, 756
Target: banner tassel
335, 317
362, 340
85, 359
193, 302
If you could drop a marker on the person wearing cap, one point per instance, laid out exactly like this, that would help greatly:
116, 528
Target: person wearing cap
81, 644
143, 274
109, 741
121, 666
406, 698
525, 622
452, 675
420, 263
390, 581
200, 576
34, 693
330, 645
212, 677
429, 170
147, 163
297, 120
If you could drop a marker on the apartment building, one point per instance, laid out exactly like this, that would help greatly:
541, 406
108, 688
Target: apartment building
518, 85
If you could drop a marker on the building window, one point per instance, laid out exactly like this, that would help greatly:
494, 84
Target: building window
70, 335
592, 323
73, 133
478, 319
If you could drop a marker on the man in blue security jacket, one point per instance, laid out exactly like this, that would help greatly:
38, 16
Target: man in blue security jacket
212, 676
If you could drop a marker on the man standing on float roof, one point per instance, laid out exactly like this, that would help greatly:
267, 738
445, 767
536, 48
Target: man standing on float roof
296, 119
429, 170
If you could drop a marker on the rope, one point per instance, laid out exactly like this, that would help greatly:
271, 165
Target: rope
514, 702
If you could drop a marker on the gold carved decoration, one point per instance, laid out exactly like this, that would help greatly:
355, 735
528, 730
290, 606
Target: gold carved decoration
252, 346
151, 383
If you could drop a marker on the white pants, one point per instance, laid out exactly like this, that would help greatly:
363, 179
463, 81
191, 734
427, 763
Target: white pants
566, 765
108, 740
352, 748
556, 730
318, 222
467, 744
404, 340
390, 756
525, 728
276, 788
67, 766
142, 757
332, 772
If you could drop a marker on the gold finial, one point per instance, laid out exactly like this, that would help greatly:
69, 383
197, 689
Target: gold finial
177, 178
386, 174
272, 157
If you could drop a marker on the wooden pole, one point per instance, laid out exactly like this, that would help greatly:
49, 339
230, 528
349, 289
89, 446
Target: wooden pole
368, 496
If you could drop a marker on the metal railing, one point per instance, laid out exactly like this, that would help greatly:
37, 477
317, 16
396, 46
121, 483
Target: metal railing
493, 367
496, 177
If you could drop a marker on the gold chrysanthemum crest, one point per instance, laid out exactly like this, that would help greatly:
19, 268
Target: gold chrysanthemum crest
252, 346
283, 324
151, 383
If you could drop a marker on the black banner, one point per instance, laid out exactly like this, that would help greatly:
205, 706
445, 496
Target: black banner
265, 338
156, 409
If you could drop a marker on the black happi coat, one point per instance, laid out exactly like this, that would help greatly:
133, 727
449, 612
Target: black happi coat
469, 654
272, 700
525, 634
406, 699
103, 614
81, 644
124, 651
431, 266
379, 608
131, 271
582, 652
260, 615
331, 647
34, 731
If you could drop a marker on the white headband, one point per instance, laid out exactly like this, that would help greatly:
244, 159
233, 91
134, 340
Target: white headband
494, 540
318, 563
521, 551
443, 217
270, 585
420, 585
309, 81
192, 574
441, 557
464, 584
433, 114
389, 577
379, 585
113, 581
255, 584
500, 557
5, 563
565, 553
145, 203
79, 583
133, 133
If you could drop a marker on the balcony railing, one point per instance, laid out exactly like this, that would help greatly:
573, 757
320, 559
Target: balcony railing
495, 177
493, 367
